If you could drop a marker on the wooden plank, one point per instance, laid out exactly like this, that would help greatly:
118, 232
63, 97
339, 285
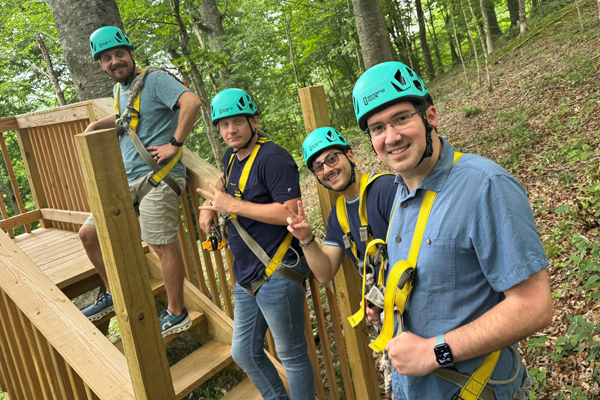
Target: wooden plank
33, 173
126, 266
8, 124
224, 286
60, 368
324, 338
69, 160
199, 170
229, 256
190, 222
316, 115
8, 363
341, 346
185, 254
44, 351
57, 115
90, 112
37, 360
74, 129
13, 180
200, 366
11, 343
62, 174
245, 390
44, 161
11, 233
103, 107
92, 356
21, 219
77, 385
75, 217
195, 214
312, 352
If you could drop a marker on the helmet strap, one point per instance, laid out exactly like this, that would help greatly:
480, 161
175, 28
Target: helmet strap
428, 141
249, 140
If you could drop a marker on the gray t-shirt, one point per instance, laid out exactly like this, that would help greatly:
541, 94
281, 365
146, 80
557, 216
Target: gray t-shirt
158, 120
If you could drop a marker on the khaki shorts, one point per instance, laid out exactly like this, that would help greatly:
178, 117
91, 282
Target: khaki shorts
158, 210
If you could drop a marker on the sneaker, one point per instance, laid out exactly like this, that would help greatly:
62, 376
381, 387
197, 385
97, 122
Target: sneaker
170, 324
103, 306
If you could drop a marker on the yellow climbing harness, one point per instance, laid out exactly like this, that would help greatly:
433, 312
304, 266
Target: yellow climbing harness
160, 173
272, 265
397, 290
365, 235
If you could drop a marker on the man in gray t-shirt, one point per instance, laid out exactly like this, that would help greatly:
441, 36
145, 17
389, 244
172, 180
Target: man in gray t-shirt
167, 113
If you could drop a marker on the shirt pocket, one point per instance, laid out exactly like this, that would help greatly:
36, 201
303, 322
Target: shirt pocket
436, 266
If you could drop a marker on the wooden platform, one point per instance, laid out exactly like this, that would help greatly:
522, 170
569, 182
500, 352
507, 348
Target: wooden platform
58, 253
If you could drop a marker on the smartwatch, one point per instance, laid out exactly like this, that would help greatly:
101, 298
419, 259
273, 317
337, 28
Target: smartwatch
443, 355
174, 142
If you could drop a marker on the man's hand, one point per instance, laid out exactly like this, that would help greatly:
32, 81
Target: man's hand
412, 355
298, 224
216, 200
162, 153
374, 315
207, 220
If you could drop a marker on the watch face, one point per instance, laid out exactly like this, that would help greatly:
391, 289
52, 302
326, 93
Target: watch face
442, 354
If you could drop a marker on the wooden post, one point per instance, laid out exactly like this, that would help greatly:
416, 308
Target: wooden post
316, 115
126, 265
33, 172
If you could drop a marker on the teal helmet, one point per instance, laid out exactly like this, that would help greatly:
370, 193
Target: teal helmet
231, 102
322, 139
384, 85
106, 38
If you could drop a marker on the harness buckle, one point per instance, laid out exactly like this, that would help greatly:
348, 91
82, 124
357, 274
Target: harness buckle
364, 233
238, 192
347, 238
153, 182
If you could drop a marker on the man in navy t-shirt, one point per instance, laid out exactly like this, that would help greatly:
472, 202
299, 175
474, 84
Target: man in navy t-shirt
329, 156
260, 176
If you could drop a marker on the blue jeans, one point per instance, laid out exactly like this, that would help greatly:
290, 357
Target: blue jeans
279, 305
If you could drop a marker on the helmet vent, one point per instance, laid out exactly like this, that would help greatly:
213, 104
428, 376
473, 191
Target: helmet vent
418, 85
119, 37
400, 78
399, 89
331, 136
410, 72
93, 46
251, 106
242, 103
356, 105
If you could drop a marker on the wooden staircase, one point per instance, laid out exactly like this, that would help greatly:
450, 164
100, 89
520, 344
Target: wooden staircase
213, 356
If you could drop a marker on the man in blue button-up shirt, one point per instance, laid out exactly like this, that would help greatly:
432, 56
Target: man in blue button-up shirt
481, 283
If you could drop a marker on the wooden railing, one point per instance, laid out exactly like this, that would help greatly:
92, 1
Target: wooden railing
48, 348
47, 144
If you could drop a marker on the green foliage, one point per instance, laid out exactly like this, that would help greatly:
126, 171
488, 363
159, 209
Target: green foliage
470, 111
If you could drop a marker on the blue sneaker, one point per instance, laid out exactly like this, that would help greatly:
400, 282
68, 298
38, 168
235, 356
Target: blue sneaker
103, 306
170, 324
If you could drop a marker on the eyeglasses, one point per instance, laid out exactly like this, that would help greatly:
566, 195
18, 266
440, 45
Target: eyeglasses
398, 122
331, 160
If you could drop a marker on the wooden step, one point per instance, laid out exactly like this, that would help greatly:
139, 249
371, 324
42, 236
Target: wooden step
245, 390
157, 285
199, 367
198, 325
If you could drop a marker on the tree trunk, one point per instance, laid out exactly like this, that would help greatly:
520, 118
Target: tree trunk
212, 24
75, 21
485, 51
353, 36
472, 42
396, 33
203, 46
486, 27
433, 35
522, 17
423, 40
490, 10
513, 10
458, 47
453, 52
372, 33
50, 70
213, 135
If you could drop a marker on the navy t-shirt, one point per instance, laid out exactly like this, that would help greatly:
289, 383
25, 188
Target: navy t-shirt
273, 178
380, 202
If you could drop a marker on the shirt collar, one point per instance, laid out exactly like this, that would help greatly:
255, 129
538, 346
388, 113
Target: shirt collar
435, 180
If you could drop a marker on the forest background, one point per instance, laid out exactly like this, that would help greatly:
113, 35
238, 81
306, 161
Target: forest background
513, 80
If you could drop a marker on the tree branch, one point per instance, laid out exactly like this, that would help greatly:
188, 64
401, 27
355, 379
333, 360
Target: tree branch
198, 20
224, 10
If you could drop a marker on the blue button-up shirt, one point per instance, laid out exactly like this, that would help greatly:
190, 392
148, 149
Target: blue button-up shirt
480, 240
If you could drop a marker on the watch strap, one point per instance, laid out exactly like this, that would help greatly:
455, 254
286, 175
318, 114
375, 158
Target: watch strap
439, 339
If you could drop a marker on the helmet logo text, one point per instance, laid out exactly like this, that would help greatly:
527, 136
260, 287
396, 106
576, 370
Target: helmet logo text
372, 96
222, 110
314, 145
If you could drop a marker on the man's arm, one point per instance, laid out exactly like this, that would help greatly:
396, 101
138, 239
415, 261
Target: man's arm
189, 107
104, 123
526, 309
